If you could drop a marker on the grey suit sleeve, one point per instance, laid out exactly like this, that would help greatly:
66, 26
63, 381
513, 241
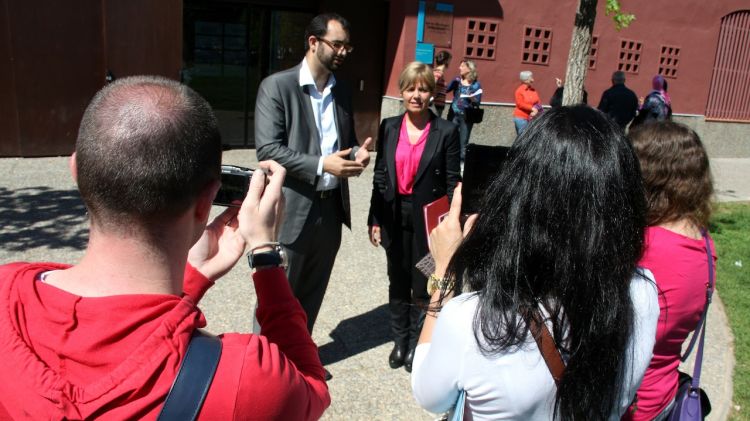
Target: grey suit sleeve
272, 137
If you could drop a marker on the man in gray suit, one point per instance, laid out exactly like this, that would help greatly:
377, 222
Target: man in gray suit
304, 121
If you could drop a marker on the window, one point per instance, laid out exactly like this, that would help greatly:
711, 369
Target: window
668, 61
730, 83
630, 56
593, 50
537, 43
481, 38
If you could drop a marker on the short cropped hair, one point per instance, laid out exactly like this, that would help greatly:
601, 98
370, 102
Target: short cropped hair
618, 77
676, 172
525, 75
146, 147
442, 58
318, 26
414, 72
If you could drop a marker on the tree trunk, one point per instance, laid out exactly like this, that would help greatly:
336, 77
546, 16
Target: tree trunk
578, 57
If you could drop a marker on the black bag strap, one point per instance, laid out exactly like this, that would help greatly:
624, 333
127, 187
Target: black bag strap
191, 385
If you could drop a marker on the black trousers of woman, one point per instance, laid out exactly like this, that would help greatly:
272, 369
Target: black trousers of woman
407, 289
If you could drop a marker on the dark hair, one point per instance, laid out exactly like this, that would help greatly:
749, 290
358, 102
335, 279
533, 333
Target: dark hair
442, 57
676, 172
318, 26
146, 148
562, 224
618, 77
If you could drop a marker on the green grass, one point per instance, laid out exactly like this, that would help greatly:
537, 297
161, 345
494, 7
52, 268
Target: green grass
730, 229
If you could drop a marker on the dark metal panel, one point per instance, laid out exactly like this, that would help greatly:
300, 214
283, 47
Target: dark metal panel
57, 62
9, 142
143, 37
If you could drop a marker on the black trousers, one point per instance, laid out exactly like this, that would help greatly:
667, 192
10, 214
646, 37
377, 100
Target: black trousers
407, 288
312, 255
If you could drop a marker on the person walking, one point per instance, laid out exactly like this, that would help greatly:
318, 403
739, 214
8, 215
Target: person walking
657, 106
467, 93
442, 62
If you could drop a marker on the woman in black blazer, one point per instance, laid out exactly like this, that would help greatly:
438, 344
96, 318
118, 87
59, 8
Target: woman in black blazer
418, 162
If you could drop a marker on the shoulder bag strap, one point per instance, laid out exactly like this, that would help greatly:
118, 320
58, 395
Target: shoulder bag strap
546, 344
695, 383
709, 295
191, 385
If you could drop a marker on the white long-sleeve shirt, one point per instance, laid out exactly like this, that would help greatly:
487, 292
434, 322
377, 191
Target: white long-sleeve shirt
515, 384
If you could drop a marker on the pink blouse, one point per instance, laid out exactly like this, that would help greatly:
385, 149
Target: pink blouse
408, 157
680, 269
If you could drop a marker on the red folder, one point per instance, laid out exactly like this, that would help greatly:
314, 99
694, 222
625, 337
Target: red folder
434, 213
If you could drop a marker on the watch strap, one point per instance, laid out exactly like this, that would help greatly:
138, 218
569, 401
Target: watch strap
266, 258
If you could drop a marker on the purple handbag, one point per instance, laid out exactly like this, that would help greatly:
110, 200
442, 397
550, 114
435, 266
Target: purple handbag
691, 402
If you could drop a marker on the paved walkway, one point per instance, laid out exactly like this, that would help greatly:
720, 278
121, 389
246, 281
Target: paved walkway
43, 219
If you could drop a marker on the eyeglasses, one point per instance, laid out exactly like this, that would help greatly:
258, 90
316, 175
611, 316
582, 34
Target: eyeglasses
337, 46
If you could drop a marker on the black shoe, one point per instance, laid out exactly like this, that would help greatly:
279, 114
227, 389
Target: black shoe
408, 360
329, 376
396, 359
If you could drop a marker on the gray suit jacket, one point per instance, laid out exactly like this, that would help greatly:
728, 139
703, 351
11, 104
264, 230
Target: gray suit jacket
285, 131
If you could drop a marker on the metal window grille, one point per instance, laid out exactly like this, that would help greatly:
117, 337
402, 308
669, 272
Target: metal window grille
730, 83
537, 44
669, 60
481, 38
630, 56
593, 51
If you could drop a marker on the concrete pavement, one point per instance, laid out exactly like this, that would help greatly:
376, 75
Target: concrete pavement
43, 219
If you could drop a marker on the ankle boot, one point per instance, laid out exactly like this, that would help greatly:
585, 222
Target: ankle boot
408, 360
396, 359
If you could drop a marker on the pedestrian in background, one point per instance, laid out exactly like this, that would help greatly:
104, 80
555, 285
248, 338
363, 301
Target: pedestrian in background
527, 100
657, 106
467, 93
442, 62
619, 102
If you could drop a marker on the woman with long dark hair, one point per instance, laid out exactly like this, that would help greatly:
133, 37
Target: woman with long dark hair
679, 189
557, 240
417, 163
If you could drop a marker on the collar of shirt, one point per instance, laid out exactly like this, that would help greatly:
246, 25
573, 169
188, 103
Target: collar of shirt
306, 78
325, 121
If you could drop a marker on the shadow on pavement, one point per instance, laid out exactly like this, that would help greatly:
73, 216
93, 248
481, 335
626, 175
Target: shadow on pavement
356, 335
42, 217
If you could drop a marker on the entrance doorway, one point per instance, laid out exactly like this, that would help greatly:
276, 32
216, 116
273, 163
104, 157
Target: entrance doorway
228, 48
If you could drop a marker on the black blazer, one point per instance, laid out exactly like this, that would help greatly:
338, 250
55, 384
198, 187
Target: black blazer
437, 175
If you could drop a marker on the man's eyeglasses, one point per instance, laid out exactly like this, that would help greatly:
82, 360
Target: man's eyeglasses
337, 46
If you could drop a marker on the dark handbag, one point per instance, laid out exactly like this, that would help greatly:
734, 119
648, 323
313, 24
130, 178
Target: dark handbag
191, 385
474, 114
691, 402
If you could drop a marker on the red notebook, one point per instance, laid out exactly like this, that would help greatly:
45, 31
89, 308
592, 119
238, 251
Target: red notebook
434, 213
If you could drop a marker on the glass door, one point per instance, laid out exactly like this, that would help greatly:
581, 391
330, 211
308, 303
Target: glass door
228, 48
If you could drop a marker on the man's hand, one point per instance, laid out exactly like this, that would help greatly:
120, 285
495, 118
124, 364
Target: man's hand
534, 112
448, 235
338, 164
219, 248
374, 232
261, 212
363, 154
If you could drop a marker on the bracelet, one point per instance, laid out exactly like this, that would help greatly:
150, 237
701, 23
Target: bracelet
434, 283
272, 244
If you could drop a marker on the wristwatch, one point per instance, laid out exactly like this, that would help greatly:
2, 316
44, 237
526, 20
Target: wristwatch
266, 259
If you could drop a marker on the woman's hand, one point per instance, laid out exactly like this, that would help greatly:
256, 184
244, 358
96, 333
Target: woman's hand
448, 235
374, 231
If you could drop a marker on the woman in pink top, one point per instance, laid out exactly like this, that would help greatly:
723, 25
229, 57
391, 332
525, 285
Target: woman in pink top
677, 180
417, 163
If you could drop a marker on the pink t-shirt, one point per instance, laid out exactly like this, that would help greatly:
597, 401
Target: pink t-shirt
680, 268
407, 158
